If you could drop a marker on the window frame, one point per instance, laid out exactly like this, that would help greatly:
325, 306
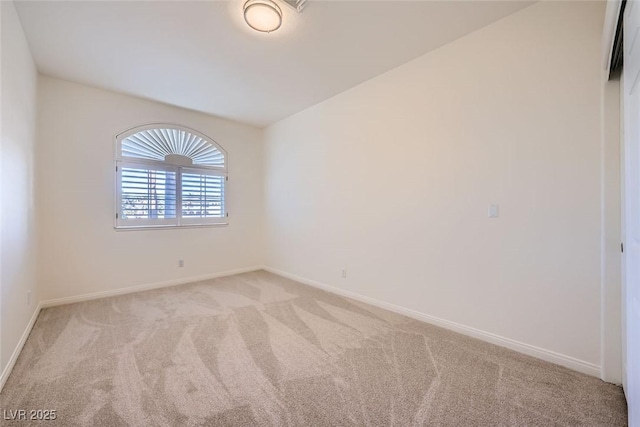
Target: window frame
121, 161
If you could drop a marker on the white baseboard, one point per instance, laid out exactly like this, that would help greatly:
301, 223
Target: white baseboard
16, 352
530, 350
140, 288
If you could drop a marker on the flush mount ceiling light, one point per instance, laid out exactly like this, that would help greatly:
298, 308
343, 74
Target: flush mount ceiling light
262, 15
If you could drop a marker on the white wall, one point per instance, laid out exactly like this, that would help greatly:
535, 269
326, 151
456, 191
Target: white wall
392, 179
18, 234
80, 251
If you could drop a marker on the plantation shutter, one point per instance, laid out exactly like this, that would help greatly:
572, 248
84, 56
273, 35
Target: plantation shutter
157, 143
147, 195
169, 175
202, 195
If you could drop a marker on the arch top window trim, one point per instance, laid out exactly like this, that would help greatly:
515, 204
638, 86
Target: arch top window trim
170, 144
169, 176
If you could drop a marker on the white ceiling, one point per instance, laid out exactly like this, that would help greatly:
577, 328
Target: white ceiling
201, 55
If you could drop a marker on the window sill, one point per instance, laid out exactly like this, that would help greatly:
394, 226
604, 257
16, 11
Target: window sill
168, 227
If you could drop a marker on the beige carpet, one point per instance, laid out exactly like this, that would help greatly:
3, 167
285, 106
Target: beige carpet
257, 349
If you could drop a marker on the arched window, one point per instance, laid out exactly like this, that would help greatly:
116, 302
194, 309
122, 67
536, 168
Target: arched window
169, 176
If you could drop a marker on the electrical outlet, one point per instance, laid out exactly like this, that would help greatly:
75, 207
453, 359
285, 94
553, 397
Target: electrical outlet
180, 263
28, 297
493, 211
344, 273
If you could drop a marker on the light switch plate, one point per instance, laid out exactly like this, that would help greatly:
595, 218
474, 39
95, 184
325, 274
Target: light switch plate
493, 210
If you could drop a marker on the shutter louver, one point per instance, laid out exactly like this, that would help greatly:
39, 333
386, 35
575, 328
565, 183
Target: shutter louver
156, 144
202, 195
147, 196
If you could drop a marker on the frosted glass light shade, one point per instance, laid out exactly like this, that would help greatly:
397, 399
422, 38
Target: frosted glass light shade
262, 15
